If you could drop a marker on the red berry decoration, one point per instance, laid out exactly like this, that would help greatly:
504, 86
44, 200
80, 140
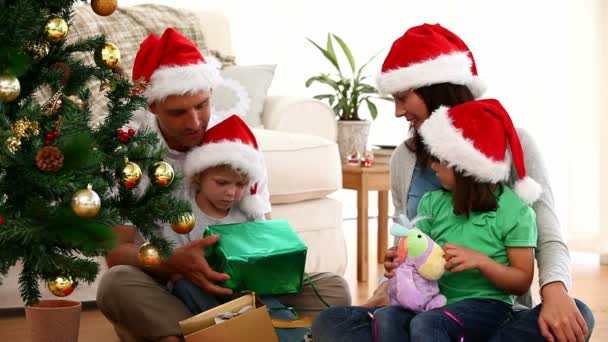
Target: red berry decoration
55, 133
1, 220
123, 139
131, 132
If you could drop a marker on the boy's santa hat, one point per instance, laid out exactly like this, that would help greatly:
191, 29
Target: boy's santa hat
231, 142
426, 55
172, 65
473, 137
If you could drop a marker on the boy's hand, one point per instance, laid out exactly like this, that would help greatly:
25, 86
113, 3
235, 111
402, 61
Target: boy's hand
189, 261
461, 258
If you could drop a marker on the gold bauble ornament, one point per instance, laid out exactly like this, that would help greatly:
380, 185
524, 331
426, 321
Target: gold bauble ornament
61, 286
148, 255
184, 224
77, 101
161, 174
107, 55
86, 202
55, 29
130, 175
9, 88
104, 7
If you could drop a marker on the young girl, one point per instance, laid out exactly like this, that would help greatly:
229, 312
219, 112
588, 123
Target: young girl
487, 230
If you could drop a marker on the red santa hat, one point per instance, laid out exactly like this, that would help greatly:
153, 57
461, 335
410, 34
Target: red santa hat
426, 55
231, 142
473, 137
172, 65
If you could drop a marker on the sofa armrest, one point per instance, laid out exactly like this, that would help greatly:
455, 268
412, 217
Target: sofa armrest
299, 115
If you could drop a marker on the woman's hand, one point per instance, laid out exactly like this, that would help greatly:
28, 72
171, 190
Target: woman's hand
461, 258
559, 318
391, 262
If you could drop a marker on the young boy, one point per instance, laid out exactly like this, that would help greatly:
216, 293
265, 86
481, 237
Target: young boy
223, 173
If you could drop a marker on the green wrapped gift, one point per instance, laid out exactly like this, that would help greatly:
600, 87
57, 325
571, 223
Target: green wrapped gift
266, 257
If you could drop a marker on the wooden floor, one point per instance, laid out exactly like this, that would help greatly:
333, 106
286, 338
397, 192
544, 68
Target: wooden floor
589, 285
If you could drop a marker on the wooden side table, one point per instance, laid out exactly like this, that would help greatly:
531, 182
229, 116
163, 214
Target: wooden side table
364, 179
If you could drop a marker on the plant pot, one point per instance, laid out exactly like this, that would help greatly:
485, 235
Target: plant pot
352, 136
54, 320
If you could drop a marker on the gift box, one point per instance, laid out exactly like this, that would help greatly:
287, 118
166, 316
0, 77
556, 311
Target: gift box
251, 326
266, 257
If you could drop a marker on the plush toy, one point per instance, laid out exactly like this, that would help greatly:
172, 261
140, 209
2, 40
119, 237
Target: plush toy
414, 285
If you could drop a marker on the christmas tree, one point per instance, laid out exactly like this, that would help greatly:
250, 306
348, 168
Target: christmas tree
64, 183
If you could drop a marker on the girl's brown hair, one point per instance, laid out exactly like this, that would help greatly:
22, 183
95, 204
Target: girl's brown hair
469, 195
434, 96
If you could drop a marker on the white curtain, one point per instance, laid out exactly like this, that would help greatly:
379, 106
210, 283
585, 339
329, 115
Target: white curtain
542, 59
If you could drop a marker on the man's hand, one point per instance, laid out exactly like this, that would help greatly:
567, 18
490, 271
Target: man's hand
379, 298
391, 262
189, 261
461, 258
559, 318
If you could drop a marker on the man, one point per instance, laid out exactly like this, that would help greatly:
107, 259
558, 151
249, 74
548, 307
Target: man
136, 300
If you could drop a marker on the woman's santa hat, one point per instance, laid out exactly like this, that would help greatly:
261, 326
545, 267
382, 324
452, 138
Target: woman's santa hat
426, 55
473, 137
231, 142
172, 65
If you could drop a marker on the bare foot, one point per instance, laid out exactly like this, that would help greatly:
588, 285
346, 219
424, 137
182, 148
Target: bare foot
170, 339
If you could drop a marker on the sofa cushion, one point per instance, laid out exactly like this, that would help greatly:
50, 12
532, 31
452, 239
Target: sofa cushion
242, 91
312, 161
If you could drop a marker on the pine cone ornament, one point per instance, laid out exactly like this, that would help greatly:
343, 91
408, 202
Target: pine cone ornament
49, 159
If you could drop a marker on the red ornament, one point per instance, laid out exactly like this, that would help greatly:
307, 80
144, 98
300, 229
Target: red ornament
123, 138
47, 142
1, 220
55, 133
120, 132
50, 136
131, 132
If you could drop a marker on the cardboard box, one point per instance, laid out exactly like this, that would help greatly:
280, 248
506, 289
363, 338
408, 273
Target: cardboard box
252, 326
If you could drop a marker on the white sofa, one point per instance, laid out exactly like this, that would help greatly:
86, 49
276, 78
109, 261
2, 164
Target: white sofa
298, 142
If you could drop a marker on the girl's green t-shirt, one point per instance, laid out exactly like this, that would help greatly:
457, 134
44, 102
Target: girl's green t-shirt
513, 224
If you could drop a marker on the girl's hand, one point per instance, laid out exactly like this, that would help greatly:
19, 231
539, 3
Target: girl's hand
461, 258
391, 262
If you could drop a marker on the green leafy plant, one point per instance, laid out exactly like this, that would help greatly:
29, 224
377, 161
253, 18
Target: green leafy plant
349, 92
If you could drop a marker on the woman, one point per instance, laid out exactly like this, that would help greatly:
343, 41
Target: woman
427, 67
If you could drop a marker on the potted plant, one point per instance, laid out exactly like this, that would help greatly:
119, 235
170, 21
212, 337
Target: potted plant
349, 92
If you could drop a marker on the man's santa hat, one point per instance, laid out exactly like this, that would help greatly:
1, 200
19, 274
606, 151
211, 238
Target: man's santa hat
231, 142
473, 137
426, 55
172, 65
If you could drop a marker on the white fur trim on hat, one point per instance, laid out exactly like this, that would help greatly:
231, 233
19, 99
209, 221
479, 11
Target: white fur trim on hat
234, 153
253, 205
180, 80
447, 143
527, 189
453, 68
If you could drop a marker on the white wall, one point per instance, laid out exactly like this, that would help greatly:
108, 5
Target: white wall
541, 58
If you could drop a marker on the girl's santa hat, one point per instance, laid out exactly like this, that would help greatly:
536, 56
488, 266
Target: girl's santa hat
231, 142
426, 55
172, 65
474, 137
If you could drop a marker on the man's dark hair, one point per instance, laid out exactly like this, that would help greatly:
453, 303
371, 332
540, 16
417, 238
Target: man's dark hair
434, 96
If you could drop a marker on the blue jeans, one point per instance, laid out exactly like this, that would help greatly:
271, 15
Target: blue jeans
353, 323
478, 320
199, 301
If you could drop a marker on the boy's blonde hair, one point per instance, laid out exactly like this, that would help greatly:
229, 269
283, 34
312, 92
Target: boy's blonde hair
195, 180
